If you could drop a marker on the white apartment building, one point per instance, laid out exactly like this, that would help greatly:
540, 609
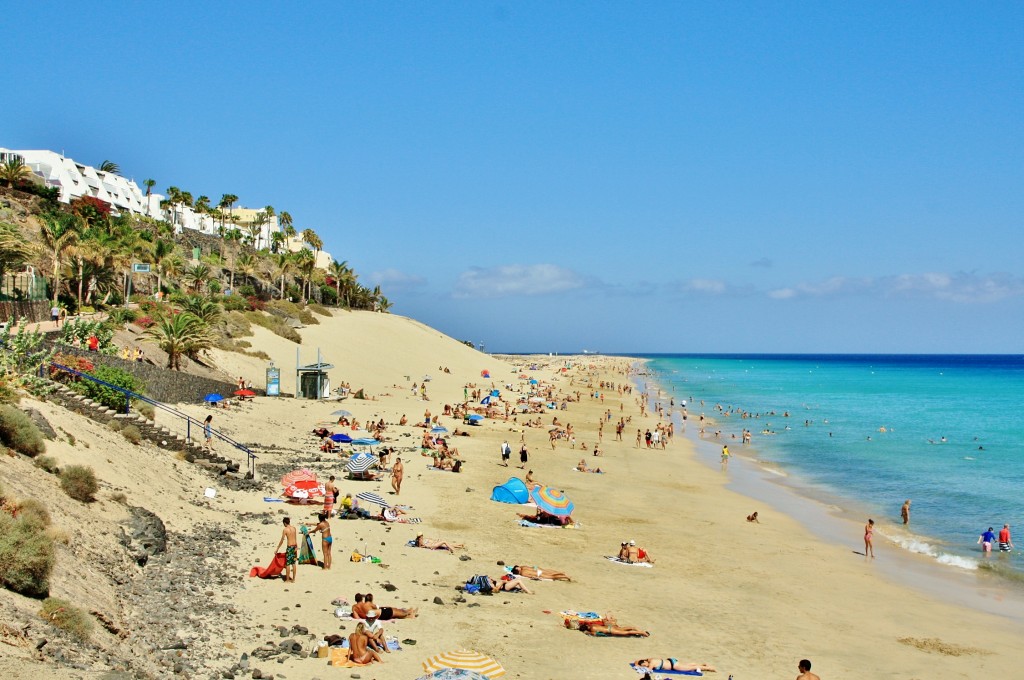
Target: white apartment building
76, 180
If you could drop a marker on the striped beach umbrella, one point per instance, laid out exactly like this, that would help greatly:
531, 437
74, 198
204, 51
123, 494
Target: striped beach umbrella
342, 413
467, 660
453, 674
371, 497
304, 474
552, 501
360, 462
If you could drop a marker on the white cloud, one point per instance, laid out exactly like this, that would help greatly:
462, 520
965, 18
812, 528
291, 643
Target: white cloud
395, 280
964, 287
516, 279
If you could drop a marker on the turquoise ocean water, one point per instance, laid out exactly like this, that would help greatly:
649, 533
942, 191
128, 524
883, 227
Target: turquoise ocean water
832, 444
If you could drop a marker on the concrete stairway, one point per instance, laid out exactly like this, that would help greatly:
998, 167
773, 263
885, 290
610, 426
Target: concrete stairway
162, 436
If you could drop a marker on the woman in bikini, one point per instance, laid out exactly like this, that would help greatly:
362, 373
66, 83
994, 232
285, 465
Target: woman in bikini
869, 546
434, 544
324, 527
611, 629
537, 573
358, 646
515, 585
672, 664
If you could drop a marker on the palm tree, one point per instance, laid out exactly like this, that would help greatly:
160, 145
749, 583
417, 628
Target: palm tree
284, 264
305, 262
149, 184
161, 250
205, 309
203, 204
228, 201
255, 229
14, 170
180, 334
197, 276
276, 241
109, 166
310, 237
60, 231
339, 272
284, 222
246, 264
231, 239
14, 249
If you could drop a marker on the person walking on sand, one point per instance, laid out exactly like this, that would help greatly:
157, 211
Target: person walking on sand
1005, 542
805, 671
524, 456
397, 472
725, 456
869, 546
208, 432
291, 558
324, 527
905, 512
506, 453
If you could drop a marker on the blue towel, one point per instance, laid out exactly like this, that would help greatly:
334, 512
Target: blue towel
655, 673
528, 523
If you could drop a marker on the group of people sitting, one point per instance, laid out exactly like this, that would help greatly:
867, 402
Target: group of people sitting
630, 553
368, 641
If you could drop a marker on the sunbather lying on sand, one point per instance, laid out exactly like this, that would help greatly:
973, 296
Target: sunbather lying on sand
515, 585
582, 466
537, 573
435, 544
611, 630
671, 664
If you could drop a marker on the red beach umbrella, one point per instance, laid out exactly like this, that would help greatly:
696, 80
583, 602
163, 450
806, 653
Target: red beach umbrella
304, 474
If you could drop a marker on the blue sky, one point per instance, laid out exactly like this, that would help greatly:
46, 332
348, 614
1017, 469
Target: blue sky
662, 177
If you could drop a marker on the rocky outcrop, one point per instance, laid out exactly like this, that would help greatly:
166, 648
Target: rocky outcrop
145, 537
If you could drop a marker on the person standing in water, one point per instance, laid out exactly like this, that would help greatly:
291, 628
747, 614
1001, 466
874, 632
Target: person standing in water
869, 546
905, 512
986, 539
1005, 542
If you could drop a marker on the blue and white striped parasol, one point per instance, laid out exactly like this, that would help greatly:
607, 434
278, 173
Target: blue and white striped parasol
371, 497
360, 462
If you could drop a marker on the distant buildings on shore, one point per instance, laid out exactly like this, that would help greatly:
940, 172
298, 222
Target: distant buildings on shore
75, 180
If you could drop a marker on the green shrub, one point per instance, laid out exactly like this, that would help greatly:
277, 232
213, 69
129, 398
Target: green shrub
147, 410
8, 395
121, 316
235, 325
34, 512
287, 308
27, 554
67, 617
18, 432
120, 497
132, 434
47, 463
275, 325
79, 482
107, 396
328, 295
114, 425
234, 303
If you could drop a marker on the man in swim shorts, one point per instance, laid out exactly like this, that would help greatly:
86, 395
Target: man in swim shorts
1005, 542
805, 671
291, 558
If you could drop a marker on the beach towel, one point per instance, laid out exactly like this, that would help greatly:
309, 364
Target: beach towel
268, 499
272, 570
585, 616
528, 523
616, 560
338, 657
307, 555
392, 643
661, 674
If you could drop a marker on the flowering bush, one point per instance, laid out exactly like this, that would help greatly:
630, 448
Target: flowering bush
80, 364
145, 321
256, 304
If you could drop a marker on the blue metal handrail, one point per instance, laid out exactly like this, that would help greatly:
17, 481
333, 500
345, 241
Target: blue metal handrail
189, 420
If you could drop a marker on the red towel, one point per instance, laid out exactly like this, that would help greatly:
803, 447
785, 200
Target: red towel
271, 570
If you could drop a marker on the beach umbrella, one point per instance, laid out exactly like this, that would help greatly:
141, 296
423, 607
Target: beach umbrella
341, 438
365, 441
305, 474
453, 674
244, 393
551, 501
486, 400
360, 462
485, 373
305, 488
439, 429
475, 416
213, 398
341, 413
371, 497
533, 381
495, 393
466, 660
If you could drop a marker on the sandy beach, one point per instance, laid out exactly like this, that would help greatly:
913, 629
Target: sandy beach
750, 599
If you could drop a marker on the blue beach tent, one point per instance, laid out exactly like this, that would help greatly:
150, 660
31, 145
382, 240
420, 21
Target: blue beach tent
513, 491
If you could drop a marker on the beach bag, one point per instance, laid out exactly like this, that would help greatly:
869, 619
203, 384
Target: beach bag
356, 557
482, 583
